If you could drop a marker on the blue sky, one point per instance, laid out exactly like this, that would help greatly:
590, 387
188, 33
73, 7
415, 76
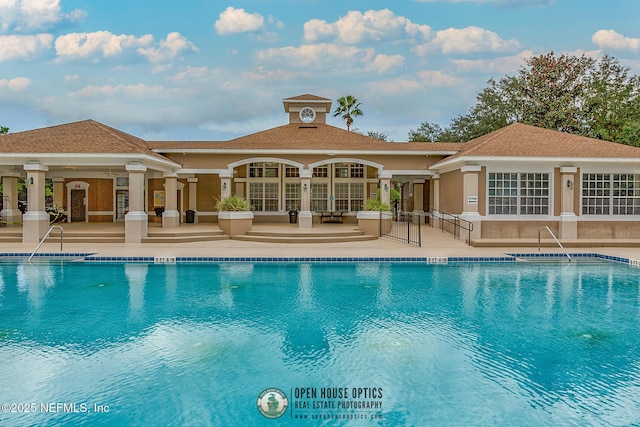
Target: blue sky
215, 70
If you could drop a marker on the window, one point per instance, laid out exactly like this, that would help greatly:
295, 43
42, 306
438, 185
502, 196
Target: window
263, 196
321, 172
349, 170
610, 194
319, 196
292, 195
266, 170
513, 193
292, 172
349, 196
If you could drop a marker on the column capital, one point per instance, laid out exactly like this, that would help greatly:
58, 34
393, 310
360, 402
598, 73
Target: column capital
136, 167
568, 169
471, 168
170, 175
35, 167
192, 180
11, 174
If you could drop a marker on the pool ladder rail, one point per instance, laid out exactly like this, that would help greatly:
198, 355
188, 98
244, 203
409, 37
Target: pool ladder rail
45, 238
554, 238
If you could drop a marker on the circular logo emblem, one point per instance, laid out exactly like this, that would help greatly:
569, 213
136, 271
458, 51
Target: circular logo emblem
272, 403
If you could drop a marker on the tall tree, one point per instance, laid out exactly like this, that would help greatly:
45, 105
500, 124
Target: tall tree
574, 94
4, 130
348, 108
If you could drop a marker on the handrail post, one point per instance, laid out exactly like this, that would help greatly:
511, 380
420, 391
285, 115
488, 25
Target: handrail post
554, 238
45, 238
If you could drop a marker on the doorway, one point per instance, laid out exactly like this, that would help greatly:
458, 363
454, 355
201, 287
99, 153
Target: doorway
78, 205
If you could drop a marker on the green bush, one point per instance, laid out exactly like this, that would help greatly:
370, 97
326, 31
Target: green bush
375, 204
233, 203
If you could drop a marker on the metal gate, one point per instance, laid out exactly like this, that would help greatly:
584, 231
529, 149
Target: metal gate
402, 226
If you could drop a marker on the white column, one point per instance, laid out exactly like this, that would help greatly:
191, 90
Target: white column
170, 216
305, 216
10, 210
436, 198
568, 227
418, 196
35, 223
193, 197
470, 194
136, 221
225, 184
385, 187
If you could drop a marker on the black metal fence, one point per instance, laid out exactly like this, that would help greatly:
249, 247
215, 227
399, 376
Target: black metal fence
402, 226
453, 224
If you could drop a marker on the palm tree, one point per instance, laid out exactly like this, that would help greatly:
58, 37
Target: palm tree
348, 107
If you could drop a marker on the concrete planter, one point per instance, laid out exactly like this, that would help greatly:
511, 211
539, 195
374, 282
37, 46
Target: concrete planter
369, 222
235, 223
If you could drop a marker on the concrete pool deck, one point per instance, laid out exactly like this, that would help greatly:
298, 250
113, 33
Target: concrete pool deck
435, 243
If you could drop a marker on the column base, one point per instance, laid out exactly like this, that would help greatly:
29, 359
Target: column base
170, 219
12, 217
34, 226
568, 226
475, 219
136, 225
305, 219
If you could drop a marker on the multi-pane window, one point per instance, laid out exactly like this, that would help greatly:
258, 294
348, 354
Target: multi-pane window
534, 194
319, 196
292, 195
349, 196
605, 194
513, 193
263, 196
321, 171
263, 169
292, 172
349, 170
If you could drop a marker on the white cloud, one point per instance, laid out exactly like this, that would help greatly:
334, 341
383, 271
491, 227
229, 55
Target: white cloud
502, 3
233, 21
610, 39
466, 40
318, 56
29, 15
136, 91
503, 64
173, 46
396, 86
434, 78
15, 85
386, 63
24, 47
357, 27
99, 43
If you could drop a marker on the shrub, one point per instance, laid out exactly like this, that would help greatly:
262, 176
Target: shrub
375, 204
233, 203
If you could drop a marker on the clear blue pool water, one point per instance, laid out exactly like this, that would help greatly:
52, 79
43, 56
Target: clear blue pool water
371, 343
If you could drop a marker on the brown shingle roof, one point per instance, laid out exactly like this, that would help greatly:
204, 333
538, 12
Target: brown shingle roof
87, 136
307, 97
307, 137
520, 140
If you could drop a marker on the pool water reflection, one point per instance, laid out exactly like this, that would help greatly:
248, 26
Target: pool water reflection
196, 344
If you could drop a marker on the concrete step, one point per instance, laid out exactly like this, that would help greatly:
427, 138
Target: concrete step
304, 234
185, 239
85, 239
302, 239
212, 233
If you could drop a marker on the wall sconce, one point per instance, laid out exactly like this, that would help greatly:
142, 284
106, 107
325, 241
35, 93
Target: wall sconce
386, 187
304, 187
224, 186
570, 184
30, 180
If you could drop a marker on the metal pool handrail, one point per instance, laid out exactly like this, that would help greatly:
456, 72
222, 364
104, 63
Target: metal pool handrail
554, 238
45, 238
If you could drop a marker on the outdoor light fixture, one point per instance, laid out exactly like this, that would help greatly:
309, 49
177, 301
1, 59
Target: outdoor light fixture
570, 184
224, 185
386, 187
304, 187
30, 180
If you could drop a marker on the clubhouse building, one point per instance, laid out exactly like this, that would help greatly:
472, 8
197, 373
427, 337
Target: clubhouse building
508, 183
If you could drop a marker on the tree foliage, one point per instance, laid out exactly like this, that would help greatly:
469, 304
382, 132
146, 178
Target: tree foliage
377, 135
4, 130
348, 108
575, 94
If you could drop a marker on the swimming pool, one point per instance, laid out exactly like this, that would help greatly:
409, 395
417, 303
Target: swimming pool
90, 343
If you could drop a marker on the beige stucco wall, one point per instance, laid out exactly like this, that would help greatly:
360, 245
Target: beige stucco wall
516, 229
609, 230
451, 192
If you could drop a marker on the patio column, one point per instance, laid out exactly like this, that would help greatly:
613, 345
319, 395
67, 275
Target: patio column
305, 216
470, 193
418, 196
10, 210
36, 220
436, 196
385, 187
171, 216
193, 199
568, 226
136, 222
58, 192
225, 184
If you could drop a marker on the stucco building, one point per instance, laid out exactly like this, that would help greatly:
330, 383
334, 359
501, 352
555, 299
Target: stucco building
508, 183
